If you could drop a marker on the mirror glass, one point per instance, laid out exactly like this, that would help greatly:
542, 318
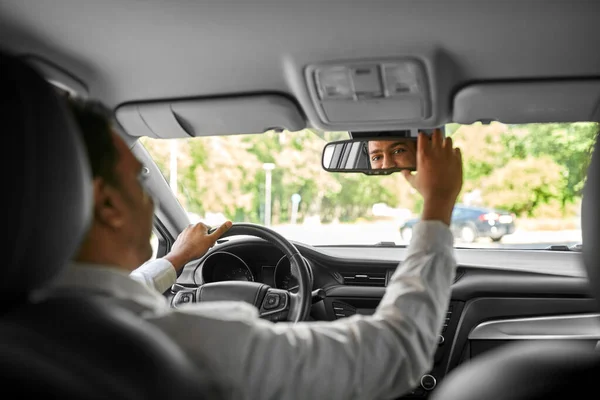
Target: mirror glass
374, 156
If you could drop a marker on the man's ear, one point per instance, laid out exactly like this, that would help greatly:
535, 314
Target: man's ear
108, 205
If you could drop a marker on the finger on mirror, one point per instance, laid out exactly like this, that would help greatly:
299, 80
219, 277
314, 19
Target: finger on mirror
458, 153
423, 143
436, 138
448, 143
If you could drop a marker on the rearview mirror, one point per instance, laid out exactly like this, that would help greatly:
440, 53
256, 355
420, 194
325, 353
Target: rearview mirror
371, 156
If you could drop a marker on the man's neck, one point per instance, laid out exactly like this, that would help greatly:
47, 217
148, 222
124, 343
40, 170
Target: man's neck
97, 251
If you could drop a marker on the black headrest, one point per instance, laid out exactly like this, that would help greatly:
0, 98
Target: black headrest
47, 181
590, 222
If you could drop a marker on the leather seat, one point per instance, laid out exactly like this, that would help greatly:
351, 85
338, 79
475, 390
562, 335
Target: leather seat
526, 370
69, 347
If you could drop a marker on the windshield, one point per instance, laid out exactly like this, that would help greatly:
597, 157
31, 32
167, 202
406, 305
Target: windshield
522, 186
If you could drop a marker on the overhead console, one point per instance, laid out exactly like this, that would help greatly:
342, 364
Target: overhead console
369, 91
378, 91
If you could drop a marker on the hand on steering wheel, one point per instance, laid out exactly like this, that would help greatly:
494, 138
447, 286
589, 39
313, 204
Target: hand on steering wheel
274, 304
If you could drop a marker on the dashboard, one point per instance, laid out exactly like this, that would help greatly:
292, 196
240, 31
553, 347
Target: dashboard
239, 263
498, 296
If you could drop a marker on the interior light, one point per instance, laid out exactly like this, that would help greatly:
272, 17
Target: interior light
335, 83
403, 78
366, 81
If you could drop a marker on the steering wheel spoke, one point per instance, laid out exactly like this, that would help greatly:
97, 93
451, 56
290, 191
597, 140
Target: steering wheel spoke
275, 305
184, 296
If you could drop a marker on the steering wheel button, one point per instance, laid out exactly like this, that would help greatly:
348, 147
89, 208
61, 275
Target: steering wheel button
271, 302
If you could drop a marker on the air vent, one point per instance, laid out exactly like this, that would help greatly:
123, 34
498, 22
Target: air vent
342, 310
447, 320
458, 275
364, 278
337, 276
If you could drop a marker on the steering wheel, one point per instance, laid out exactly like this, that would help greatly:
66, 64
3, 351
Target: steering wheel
273, 304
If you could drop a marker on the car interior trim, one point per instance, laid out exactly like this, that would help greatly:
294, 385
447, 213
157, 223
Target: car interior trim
541, 101
579, 326
483, 309
183, 118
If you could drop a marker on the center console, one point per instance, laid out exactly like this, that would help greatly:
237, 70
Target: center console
342, 307
430, 380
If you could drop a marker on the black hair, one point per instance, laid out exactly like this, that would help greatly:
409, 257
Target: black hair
94, 122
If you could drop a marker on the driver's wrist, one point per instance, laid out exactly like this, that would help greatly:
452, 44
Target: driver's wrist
437, 211
177, 260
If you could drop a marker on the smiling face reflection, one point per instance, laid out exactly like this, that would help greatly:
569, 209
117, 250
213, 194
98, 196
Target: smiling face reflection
385, 154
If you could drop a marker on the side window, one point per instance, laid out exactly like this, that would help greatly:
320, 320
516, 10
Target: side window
158, 243
154, 244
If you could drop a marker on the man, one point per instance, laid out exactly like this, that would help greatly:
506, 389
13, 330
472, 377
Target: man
360, 357
386, 154
120, 200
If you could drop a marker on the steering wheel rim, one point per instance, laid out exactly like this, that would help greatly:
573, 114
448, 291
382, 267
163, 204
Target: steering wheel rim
301, 302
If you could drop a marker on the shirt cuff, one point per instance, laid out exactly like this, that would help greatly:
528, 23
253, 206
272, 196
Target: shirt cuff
158, 274
429, 235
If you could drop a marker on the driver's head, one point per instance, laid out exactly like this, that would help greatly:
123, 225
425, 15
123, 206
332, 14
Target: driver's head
123, 209
399, 153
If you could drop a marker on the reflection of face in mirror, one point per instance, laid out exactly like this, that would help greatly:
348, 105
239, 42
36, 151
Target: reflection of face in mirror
386, 154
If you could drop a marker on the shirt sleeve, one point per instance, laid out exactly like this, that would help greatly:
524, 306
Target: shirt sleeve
158, 274
361, 357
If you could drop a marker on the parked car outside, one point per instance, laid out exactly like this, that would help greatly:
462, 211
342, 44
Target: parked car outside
470, 223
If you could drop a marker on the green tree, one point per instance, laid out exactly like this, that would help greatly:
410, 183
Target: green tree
482, 148
522, 185
568, 144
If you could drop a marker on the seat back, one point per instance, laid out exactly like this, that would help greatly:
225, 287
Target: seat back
61, 347
81, 348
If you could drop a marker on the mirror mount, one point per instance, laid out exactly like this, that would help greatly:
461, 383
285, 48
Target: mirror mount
375, 134
414, 133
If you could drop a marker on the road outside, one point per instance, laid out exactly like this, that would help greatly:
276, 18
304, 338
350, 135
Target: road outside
371, 233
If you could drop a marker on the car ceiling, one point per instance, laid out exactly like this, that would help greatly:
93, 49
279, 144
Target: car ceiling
142, 50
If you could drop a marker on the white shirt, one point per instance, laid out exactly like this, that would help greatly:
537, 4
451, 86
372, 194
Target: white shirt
371, 357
